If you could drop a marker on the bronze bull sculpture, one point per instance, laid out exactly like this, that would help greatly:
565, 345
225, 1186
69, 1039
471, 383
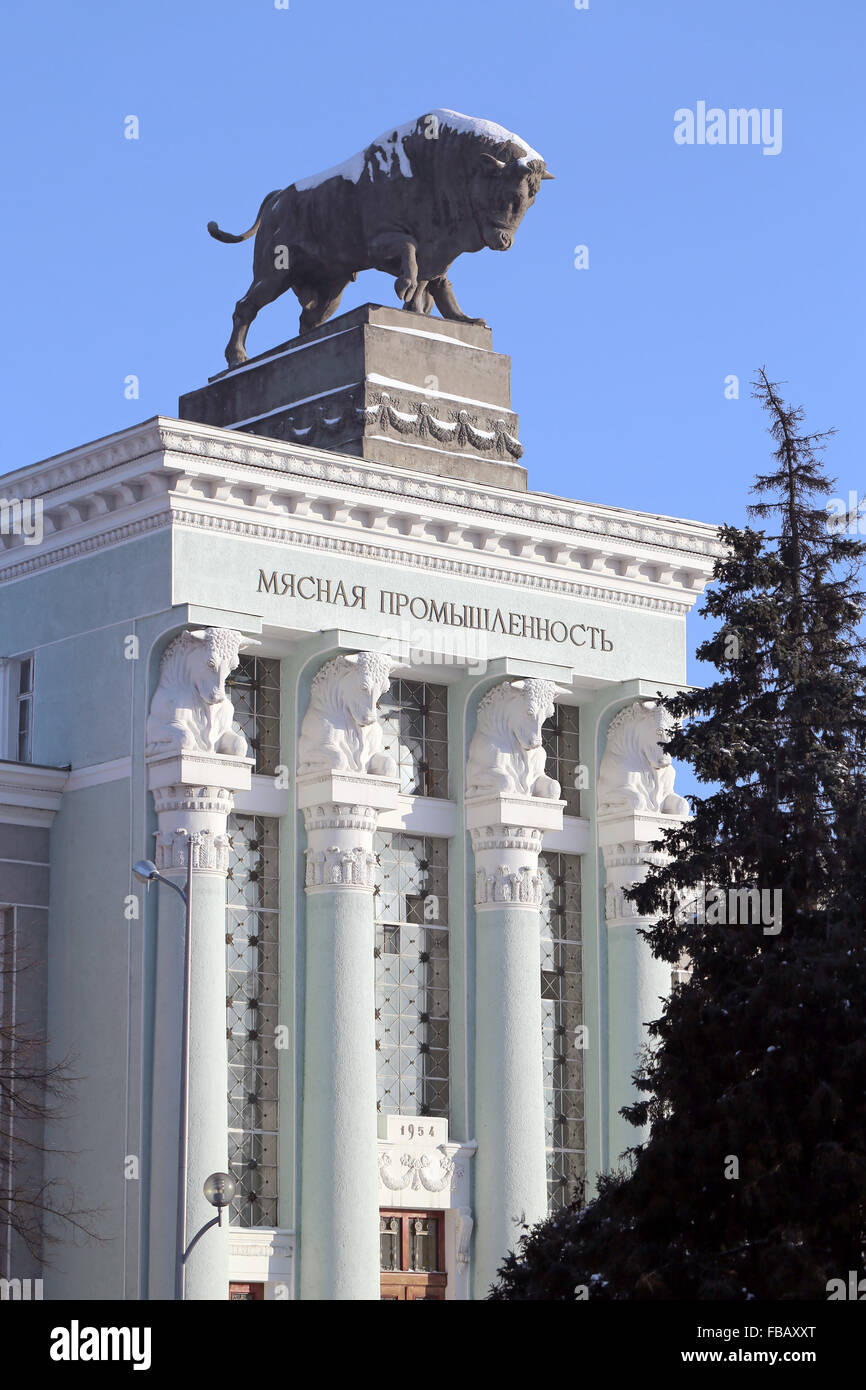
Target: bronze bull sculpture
408, 205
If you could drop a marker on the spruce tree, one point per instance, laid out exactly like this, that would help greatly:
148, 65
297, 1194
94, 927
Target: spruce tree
752, 1183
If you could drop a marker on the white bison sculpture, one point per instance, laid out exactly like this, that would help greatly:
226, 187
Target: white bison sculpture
341, 730
506, 753
636, 774
190, 710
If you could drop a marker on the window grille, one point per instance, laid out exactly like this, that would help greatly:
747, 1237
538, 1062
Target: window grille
415, 718
562, 1032
561, 742
254, 690
252, 960
412, 1029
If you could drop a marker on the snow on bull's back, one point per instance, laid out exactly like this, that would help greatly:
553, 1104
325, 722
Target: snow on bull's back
389, 152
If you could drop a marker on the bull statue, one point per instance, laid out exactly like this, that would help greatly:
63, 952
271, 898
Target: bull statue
341, 730
409, 204
506, 753
636, 774
190, 710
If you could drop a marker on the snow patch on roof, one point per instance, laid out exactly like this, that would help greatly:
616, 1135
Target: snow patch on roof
389, 147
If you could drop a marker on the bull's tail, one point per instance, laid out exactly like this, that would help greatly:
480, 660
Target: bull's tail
230, 236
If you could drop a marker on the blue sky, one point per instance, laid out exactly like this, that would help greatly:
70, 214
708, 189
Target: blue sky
704, 261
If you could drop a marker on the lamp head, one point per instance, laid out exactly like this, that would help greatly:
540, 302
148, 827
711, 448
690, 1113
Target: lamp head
219, 1189
145, 871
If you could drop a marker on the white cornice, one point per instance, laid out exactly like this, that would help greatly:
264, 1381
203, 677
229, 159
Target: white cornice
29, 793
96, 773
168, 471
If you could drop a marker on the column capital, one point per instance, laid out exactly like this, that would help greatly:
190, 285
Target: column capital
341, 813
507, 833
192, 774
209, 850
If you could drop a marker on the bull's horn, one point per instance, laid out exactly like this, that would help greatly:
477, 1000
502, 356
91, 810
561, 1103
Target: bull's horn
199, 633
491, 159
547, 175
250, 642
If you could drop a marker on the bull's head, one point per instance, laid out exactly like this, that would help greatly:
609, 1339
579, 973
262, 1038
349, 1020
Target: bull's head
502, 190
534, 702
215, 658
659, 726
368, 679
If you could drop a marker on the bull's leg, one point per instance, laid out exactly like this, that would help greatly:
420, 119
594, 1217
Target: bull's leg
422, 301
396, 246
446, 302
260, 293
320, 301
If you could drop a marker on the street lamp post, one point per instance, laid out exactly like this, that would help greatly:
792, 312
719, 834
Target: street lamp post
147, 872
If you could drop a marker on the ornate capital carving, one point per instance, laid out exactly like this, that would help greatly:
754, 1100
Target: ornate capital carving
524, 886
191, 799
507, 837
209, 850
190, 710
341, 731
333, 816
340, 867
626, 863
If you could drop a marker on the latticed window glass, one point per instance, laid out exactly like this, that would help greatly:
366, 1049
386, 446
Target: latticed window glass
560, 738
251, 1004
562, 1032
415, 720
254, 690
411, 950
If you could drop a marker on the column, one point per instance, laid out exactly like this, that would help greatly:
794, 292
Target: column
344, 782
636, 803
192, 821
511, 1163
638, 981
196, 761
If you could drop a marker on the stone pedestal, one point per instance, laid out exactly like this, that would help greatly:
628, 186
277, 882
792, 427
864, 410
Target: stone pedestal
511, 1168
339, 1216
385, 384
637, 981
193, 795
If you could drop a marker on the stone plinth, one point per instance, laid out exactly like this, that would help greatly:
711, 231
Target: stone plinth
383, 384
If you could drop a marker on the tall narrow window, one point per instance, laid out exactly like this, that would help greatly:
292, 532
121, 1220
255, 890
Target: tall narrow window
415, 719
252, 951
25, 710
560, 737
254, 690
562, 1031
412, 974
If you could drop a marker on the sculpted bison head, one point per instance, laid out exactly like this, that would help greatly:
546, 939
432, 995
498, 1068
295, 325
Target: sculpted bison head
502, 190
532, 703
213, 655
368, 675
